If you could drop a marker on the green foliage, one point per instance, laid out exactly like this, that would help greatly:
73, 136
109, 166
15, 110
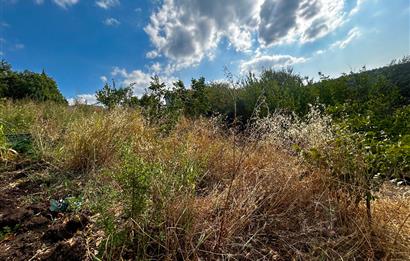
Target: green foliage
197, 103
7, 231
22, 143
27, 85
143, 188
17, 117
110, 96
134, 178
152, 102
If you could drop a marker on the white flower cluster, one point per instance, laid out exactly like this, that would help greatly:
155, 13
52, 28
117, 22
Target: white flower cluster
285, 130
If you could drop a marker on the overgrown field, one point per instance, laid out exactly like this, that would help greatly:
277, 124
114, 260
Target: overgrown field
87, 183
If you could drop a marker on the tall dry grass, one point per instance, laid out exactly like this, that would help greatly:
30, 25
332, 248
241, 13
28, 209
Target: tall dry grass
93, 142
198, 193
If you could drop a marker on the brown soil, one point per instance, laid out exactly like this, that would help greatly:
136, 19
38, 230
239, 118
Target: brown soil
28, 229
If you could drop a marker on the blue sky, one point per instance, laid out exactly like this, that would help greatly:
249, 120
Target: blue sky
82, 43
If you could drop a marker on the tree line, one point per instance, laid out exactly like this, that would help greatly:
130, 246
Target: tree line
27, 85
376, 100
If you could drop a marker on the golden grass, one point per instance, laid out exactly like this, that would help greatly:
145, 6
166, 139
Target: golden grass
251, 199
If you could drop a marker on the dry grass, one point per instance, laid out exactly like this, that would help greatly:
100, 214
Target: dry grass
93, 142
247, 198
392, 216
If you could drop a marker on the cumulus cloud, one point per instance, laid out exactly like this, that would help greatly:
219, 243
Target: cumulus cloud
107, 4
88, 99
187, 31
277, 20
152, 54
260, 63
285, 21
65, 3
111, 22
137, 78
156, 67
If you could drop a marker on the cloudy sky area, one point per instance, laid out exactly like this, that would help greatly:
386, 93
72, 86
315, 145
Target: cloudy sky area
83, 43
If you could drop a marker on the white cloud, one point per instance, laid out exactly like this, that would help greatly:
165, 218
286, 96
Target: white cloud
260, 63
104, 79
89, 99
137, 78
111, 22
107, 4
286, 21
156, 67
356, 9
152, 54
187, 31
320, 52
119, 72
65, 3
352, 35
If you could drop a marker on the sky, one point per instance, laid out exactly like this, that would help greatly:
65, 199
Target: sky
84, 43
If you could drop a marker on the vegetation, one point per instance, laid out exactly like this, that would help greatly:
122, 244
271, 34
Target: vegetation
269, 167
372, 104
27, 85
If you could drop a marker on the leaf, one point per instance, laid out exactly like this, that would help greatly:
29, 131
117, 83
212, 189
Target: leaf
58, 206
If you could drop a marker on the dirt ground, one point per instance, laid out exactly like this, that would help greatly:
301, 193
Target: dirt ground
29, 230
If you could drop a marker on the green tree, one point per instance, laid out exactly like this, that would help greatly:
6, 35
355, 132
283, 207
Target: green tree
152, 101
27, 85
110, 96
176, 98
198, 103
